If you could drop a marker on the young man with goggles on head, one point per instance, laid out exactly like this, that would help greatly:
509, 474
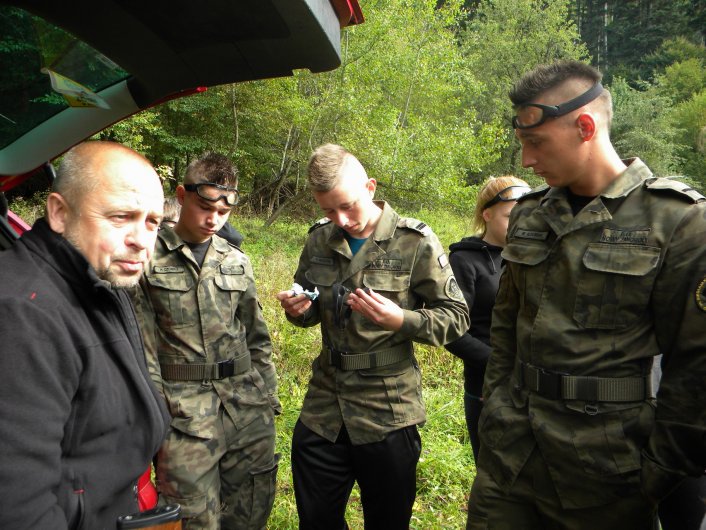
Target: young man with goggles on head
605, 267
209, 354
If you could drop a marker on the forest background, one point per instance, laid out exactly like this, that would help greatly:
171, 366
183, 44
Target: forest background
421, 99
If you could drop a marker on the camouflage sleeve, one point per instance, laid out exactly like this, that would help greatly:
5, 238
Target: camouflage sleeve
311, 317
677, 445
249, 313
503, 332
148, 326
442, 316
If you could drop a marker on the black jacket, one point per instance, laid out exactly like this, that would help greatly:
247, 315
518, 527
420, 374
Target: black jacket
80, 420
476, 265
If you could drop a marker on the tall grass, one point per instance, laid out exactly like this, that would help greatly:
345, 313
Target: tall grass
446, 468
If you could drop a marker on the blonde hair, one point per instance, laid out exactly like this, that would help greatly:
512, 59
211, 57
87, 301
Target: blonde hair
491, 187
327, 164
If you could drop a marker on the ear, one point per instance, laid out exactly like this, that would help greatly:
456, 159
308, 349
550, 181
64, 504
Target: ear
372, 185
587, 126
487, 214
180, 192
58, 212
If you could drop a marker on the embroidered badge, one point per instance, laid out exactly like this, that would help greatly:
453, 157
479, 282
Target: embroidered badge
701, 295
452, 289
521, 233
617, 235
232, 269
167, 269
386, 264
443, 261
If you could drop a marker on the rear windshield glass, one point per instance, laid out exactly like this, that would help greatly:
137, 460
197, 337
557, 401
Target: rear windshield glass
32, 52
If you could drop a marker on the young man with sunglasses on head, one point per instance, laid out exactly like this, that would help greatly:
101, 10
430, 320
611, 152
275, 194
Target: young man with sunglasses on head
376, 282
209, 353
605, 268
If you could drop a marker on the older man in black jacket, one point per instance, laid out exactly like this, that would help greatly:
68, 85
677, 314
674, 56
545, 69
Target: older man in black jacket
80, 419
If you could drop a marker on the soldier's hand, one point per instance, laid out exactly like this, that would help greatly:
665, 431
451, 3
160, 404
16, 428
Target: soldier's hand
375, 307
294, 306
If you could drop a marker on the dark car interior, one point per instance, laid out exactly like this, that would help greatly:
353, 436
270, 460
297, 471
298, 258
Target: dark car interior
70, 70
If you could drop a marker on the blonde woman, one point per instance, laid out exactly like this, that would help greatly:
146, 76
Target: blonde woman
476, 262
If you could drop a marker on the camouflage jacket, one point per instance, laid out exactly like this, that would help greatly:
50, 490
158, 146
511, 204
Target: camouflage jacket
600, 294
206, 315
403, 261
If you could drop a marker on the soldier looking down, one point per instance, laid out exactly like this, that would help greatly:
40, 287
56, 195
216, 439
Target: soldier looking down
383, 282
209, 353
605, 268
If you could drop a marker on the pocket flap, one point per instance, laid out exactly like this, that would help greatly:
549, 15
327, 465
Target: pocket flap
323, 276
387, 281
230, 282
172, 281
526, 254
629, 260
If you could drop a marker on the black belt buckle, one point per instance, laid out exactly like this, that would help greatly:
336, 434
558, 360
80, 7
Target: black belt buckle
548, 384
226, 368
334, 357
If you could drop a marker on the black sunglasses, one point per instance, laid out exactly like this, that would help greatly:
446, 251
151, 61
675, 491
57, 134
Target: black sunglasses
212, 192
511, 193
534, 114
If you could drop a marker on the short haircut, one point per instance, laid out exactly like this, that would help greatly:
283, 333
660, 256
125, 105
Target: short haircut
77, 175
172, 209
547, 76
325, 165
491, 187
213, 168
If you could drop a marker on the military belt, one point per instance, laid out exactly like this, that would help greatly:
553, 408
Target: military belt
361, 361
205, 371
555, 385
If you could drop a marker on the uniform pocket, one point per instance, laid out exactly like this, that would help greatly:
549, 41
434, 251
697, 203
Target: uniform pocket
609, 441
614, 285
264, 485
395, 390
499, 419
169, 294
229, 289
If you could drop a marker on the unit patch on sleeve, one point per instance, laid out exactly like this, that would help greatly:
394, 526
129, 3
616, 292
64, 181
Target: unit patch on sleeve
701, 295
452, 289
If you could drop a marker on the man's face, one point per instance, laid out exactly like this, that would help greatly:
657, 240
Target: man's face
349, 204
199, 218
553, 149
115, 226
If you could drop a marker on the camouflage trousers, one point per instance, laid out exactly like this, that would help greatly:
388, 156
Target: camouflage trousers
533, 504
226, 482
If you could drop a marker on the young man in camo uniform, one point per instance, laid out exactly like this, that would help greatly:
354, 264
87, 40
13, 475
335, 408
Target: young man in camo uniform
605, 268
209, 353
384, 282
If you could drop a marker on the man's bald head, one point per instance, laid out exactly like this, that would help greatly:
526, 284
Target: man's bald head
84, 167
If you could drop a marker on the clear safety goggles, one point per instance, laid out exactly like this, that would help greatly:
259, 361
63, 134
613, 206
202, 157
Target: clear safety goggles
215, 192
534, 114
511, 193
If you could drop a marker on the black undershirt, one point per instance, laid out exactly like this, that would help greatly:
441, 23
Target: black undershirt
577, 202
199, 251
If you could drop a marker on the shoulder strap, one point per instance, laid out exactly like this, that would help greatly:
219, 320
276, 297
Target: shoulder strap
675, 187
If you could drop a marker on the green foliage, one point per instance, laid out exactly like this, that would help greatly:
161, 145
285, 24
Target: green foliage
682, 80
690, 115
642, 127
503, 40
